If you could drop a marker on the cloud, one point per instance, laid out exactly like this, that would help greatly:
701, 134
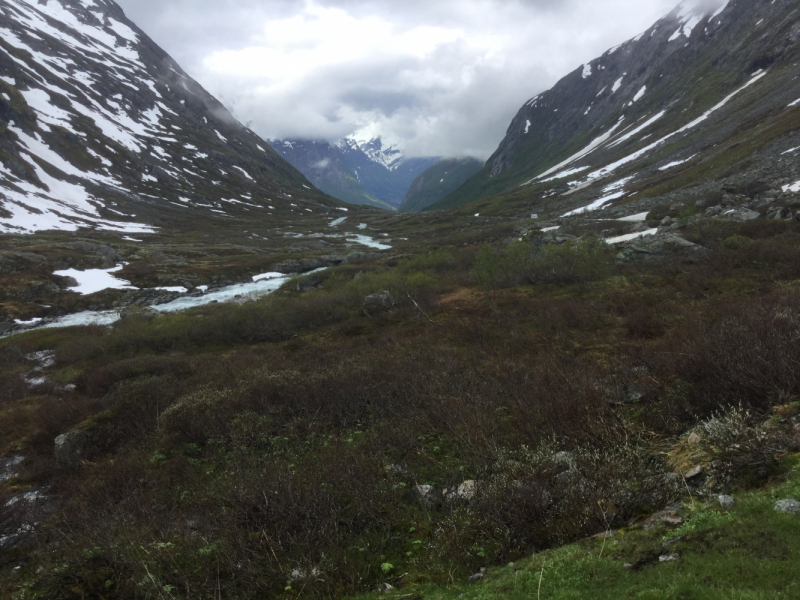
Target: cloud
440, 78
323, 164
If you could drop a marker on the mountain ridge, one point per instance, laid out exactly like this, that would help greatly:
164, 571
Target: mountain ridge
359, 171
678, 83
100, 127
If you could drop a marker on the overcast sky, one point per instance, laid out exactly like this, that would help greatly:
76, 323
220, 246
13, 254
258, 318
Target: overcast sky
439, 77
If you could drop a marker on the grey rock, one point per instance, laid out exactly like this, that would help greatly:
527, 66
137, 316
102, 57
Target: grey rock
427, 496
695, 472
666, 222
151, 297
377, 303
727, 501
70, 447
671, 515
465, 492
740, 214
134, 311
8, 467
475, 578
659, 246
790, 506
563, 459
664, 558
309, 283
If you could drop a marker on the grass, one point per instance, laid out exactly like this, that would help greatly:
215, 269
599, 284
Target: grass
747, 553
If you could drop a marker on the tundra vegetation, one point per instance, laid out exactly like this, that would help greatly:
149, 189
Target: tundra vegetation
502, 403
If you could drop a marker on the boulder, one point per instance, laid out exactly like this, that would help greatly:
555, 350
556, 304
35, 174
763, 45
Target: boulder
726, 502
70, 447
671, 515
739, 214
563, 459
659, 246
695, 472
148, 297
427, 496
790, 506
309, 283
466, 492
377, 303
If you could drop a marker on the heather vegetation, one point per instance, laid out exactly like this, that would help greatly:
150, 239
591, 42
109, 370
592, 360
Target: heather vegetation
505, 400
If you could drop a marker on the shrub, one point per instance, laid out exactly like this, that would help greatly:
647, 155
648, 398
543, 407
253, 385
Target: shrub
531, 499
747, 451
520, 263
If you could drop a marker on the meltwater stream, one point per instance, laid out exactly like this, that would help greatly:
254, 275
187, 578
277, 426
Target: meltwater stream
263, 285
95, 280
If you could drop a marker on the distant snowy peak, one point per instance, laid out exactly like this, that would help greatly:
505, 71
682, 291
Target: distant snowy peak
390, 157
96, 120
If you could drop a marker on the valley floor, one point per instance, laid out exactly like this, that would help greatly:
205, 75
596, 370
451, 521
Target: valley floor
482, 394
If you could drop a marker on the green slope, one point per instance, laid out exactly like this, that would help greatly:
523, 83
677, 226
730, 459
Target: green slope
438, 181
749, 552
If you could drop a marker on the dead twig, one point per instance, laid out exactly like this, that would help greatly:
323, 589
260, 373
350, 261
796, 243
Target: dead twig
420, 310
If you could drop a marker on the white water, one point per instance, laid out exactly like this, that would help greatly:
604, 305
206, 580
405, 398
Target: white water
250, 291
365, 240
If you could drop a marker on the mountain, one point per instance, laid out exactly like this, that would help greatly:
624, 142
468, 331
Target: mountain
438, 181
384, 172
326, 168
706, 94
357, 172
100, 128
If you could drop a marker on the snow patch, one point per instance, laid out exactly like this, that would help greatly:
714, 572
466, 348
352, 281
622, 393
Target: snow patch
676, 163
599, 203
96, 280
630, 236
794, 187
637, 218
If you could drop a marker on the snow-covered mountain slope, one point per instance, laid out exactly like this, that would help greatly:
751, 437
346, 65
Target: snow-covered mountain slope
707, 88
100, 128
325, 167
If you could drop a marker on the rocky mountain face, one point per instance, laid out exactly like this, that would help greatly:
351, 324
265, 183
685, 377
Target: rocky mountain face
100, 128
325, 167
706, 98
384, 172
438, 181
357, 172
